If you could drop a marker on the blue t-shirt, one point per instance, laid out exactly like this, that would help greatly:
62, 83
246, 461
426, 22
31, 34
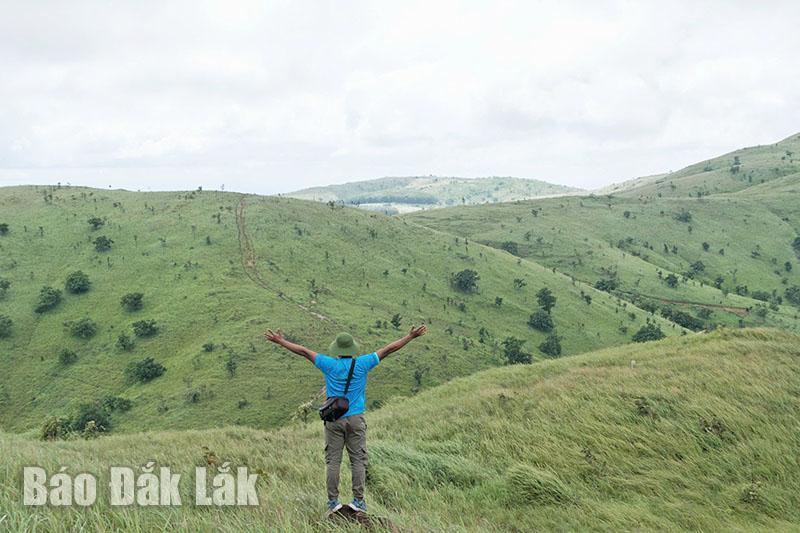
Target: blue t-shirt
336, 371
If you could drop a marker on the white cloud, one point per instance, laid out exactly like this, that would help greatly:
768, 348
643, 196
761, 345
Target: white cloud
273, 97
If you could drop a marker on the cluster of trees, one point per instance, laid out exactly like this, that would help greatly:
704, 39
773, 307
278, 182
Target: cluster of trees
88, 420
650, 331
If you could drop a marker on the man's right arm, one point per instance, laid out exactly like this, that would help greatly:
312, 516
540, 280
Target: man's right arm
278, 338
399, 343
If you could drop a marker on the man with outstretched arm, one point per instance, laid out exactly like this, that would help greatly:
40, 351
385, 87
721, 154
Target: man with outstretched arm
350, 430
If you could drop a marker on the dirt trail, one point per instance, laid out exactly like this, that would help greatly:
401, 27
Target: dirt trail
741, 311
250, 264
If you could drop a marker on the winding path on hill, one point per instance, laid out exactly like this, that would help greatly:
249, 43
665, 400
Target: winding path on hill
250, 264
741, 311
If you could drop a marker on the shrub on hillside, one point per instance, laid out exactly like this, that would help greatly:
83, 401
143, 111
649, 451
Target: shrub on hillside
5, 326
512, 349
793, 295
67, 357
3, 229
48, 299
102, 243
683, 216
671, 280
145, 328
5, 284
115, 403
546, 299
96, 223
143, 371
510, 247
91, 417
541, 320
465, 281
649, 332
77, 282
85, 328
132, 301
396, 320
56, 427
606, 284
124, 342
551, 346
796, 245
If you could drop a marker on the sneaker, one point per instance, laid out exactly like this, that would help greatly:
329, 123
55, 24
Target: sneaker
358, 505
333, 506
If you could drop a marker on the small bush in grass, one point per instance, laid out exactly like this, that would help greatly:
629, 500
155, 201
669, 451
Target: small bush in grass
145, 328
649, 332
143, 371
85, 328
115, 403
48, 299
77, 282
546, 299
67, 357
5, 326
465, 281
96, 223
541, 320
132, 301
125, 343
5, 284
208, 347
103, 243
527, 485
92, 417
551, 345
512, 349
56, 427
3, 229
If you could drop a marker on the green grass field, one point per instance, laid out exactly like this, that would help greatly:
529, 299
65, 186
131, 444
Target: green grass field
690, 433
219, 268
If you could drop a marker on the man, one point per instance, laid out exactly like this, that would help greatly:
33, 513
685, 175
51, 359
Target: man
351, 429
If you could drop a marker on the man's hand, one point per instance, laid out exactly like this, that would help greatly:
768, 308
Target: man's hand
274, 336
418, 331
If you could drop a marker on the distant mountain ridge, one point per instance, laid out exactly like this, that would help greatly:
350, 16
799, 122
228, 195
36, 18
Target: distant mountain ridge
412, 193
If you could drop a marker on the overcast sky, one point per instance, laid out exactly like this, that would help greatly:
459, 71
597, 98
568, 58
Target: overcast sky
274, 96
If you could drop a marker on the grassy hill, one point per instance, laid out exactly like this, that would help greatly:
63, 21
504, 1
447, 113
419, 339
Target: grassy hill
216, 269
733, 254
735, 171
692, 433
393, 195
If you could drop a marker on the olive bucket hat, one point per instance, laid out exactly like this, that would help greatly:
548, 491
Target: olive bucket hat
344, 346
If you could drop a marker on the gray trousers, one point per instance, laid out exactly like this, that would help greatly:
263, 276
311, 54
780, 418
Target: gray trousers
351, 432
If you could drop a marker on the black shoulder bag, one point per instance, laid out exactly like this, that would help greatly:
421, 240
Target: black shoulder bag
335, 407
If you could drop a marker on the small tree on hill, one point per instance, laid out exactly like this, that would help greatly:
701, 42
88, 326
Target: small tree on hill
3, 228
793, 295
67, 357
143, 371
5, 284
649, 332
103, 243
132, 301
510, 247
551, 345
546, 299
48, 299
397, 320
5, 326
465, 281
91, 418
85, 328
671, 280
96, 223
125, 343
145, 328
77, 282
683, 216
512, 349
541, 320
796, 245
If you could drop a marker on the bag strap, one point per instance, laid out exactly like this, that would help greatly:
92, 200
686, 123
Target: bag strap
349, 376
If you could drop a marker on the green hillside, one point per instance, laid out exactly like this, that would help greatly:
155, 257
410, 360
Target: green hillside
394, 195
694, 433
731, 172
216, 269
719, 259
